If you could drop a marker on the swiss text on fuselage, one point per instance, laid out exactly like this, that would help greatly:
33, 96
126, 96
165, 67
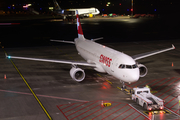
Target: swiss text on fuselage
105, 60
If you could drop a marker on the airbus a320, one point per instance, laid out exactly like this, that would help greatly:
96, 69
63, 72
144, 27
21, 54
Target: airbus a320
102, 59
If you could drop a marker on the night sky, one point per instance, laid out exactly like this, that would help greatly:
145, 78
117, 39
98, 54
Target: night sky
116, 6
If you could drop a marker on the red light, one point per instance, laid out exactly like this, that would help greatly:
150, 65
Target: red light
161, 112
131, 9
119, 3
150, 109
106, 85
103, 87
161, 108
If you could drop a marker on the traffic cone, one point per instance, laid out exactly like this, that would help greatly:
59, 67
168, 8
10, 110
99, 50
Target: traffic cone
102, 104
172, 64
4, 76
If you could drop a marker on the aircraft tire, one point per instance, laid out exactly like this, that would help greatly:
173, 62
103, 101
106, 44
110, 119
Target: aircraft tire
144, 106
137, 101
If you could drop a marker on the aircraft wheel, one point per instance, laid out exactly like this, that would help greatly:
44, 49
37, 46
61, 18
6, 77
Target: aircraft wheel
144, 106
137, 101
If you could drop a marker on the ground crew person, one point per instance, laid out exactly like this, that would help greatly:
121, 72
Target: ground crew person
148, 87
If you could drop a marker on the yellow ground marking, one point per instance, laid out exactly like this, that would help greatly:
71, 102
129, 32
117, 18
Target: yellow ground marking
127, 91
119, 88
30, 89
109, 82
99, 75
55, 47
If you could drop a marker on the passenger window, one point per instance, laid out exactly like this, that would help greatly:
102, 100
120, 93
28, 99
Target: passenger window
128, 66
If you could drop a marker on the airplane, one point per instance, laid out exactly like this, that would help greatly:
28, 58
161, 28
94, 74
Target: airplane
83, 12
103, 59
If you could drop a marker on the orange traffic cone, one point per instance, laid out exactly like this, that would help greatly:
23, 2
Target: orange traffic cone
172, 64
4, 76
102, 104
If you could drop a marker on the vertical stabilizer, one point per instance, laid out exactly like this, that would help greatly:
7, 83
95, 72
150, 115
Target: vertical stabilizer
79, 28
57, 7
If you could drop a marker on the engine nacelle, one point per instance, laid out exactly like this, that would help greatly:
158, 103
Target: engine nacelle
77, 74
142, 70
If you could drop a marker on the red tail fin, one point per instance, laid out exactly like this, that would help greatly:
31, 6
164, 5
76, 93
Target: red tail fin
79, 28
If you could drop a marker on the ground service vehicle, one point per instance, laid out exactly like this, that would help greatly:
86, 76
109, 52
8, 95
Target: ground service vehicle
148, 101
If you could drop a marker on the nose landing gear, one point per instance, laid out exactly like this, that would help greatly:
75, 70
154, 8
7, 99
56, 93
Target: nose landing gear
123, 86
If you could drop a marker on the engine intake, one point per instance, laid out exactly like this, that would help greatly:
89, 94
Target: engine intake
142, 70
77, 74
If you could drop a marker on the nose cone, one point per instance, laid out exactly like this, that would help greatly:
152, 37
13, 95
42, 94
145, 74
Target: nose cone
97, 11
133, 76
128, 75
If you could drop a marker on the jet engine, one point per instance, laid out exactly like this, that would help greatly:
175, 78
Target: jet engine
142, 70
77, 74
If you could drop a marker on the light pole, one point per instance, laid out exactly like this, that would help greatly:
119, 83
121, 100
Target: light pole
132, 8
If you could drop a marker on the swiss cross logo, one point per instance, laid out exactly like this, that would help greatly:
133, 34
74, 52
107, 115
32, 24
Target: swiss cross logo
79, 25
105, 60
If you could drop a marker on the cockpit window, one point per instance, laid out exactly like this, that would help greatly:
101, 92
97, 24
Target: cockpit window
145, 91
128, 66
121, 66
134, 66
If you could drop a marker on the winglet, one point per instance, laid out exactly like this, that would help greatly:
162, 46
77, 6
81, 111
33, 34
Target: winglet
173, 46
79, 28
7, 56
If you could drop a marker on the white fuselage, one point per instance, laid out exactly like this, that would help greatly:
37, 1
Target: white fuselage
108, 60
85, 11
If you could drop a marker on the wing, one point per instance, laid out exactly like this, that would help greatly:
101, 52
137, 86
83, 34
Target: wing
143, 55
83, 63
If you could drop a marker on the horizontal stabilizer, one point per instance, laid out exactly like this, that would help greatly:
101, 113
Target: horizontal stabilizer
63, 41
97, 39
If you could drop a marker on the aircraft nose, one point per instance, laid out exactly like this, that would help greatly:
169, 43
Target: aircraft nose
134, 76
